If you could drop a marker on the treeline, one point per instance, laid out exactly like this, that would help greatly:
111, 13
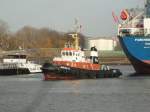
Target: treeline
31, 38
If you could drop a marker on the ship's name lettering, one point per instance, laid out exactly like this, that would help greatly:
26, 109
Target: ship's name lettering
142, 40
146, 47
147, 43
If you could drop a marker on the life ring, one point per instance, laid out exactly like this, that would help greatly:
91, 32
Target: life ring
124, 15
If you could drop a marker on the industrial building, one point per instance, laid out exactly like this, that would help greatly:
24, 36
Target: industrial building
101, 43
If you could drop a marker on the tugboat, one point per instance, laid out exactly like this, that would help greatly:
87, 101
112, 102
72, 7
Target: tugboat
73, 64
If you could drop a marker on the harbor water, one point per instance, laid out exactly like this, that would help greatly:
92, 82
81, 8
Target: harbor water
29, 93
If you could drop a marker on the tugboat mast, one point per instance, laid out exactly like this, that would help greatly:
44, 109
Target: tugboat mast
76, 38
75, 35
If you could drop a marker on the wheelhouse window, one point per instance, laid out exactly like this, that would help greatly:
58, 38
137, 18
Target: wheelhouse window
70, 53
73, 54
15, 56
67, 53
63, 53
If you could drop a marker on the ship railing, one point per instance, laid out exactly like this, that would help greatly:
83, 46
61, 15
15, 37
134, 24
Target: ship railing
138, 31
133, 26
8, 66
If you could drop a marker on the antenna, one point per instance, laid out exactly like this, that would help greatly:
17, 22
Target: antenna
77, 26
75, 36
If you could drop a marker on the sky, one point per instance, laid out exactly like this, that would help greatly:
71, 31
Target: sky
95, 16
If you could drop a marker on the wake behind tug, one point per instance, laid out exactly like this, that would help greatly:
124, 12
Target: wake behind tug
73, 64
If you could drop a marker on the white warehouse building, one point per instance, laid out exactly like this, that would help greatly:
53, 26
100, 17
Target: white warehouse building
103, 44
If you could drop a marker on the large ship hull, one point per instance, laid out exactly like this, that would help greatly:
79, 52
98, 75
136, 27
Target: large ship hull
137, 50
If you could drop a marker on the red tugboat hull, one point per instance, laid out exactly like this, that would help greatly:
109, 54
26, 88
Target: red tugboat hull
52, 72
58, 76
53, 76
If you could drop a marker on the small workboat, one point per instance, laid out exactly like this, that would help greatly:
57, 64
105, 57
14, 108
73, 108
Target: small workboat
13, 64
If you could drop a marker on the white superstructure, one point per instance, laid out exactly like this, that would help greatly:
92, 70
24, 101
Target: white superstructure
19, 61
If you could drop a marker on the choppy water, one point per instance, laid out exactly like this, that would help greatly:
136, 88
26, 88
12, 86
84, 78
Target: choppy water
28, 93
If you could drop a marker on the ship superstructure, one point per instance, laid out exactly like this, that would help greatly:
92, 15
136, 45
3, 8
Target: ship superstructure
134, 36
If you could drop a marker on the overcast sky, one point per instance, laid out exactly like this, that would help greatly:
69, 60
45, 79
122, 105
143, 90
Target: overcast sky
94, 15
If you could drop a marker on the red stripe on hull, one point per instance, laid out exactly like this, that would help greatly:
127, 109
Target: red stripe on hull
53, 76
147, 61
80, 65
